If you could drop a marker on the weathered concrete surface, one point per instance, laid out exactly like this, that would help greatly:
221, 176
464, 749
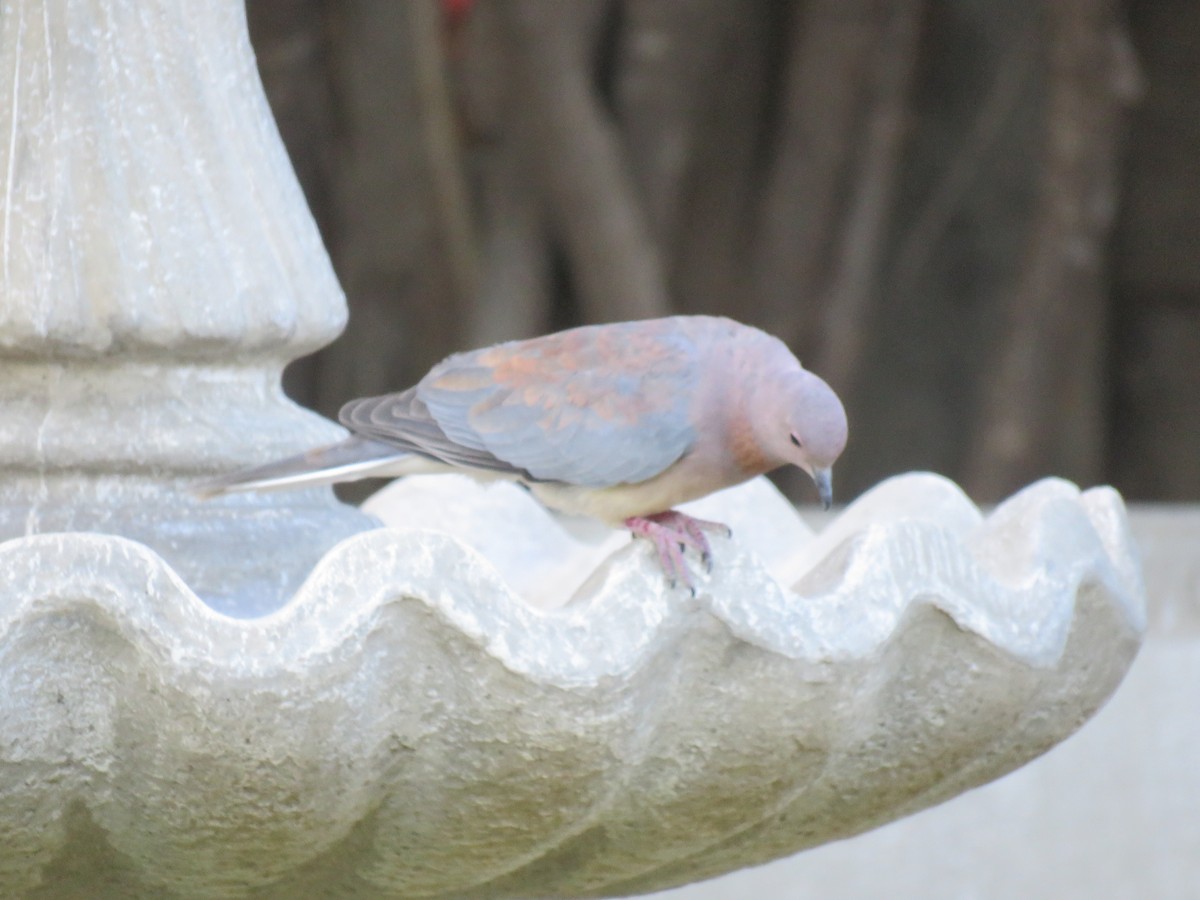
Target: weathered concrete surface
517, 715
408, 726
1111, 813
158, 268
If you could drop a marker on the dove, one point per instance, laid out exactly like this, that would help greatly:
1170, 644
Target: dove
618, 422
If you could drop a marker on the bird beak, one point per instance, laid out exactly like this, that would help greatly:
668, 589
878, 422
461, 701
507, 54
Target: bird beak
823, 479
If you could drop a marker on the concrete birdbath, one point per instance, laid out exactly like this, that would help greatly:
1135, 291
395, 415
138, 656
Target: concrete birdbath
271, 696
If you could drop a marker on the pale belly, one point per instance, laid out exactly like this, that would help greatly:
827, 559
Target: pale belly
612, 505
615, 504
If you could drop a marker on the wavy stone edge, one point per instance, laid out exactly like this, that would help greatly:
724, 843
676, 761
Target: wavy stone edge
409, 726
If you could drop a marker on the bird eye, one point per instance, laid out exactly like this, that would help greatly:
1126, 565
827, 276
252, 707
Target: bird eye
796, 440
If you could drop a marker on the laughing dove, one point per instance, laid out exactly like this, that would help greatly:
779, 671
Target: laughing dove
618, 422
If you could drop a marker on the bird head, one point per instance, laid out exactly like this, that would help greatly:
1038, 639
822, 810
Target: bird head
808, 429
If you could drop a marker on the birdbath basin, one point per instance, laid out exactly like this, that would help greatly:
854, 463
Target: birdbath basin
420, 721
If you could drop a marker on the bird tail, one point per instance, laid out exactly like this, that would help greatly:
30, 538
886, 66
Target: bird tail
349, 460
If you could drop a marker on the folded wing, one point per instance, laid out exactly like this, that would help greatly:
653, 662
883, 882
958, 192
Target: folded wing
594, 406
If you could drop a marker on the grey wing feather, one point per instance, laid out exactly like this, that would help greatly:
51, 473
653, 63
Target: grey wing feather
403, 421
585, 409
351, 459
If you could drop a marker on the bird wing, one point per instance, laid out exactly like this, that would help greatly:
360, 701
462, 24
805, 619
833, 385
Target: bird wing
593, 406
403, 421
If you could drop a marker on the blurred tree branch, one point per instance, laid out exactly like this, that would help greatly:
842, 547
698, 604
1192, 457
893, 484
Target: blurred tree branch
595, 211
827, 64
916, 195
1043, 401
858, 255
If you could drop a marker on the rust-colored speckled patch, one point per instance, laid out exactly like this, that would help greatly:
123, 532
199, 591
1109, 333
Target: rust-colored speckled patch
747, 452
609, 373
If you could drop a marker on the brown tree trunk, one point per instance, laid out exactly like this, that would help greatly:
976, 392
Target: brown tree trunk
595, 211
1155, 365
1043, 404
915, 195
853, 287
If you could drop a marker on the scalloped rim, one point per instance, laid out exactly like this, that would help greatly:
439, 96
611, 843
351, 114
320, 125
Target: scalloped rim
1012, 578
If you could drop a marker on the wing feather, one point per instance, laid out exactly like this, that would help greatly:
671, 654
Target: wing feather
593, 406
403, 421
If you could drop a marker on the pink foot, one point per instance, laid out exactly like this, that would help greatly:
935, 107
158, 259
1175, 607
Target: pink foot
673, 532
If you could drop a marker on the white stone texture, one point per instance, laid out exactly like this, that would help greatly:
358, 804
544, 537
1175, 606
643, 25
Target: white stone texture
495, 709
1110, 814
158, 267
408, 726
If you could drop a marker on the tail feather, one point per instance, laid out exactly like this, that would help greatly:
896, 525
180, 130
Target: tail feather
349, 460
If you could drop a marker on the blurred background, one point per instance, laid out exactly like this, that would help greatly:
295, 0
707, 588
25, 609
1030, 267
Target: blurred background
978, 221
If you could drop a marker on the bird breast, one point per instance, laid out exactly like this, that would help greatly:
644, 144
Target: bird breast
688, 479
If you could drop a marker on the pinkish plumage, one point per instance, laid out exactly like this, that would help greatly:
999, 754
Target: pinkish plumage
619, 422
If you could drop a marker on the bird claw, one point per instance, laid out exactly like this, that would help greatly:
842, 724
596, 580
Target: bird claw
672, 533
